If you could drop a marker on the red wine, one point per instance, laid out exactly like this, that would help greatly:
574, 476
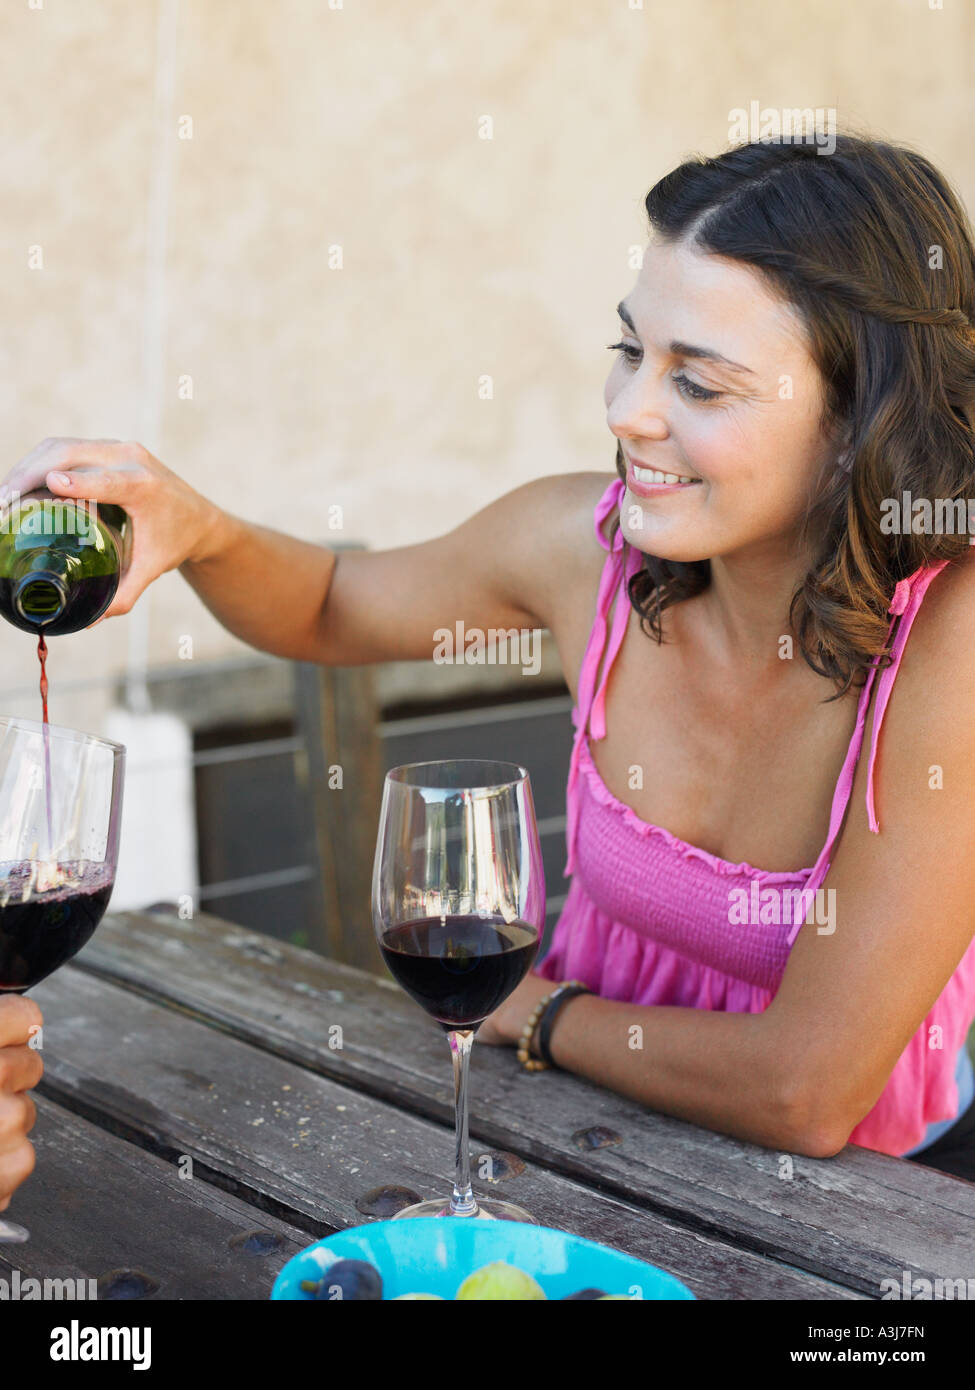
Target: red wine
39, 934
458, 967
42, 656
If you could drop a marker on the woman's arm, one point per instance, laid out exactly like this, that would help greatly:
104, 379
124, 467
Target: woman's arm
505, 567
348, 608
904, 899
719, 1070
801, 1076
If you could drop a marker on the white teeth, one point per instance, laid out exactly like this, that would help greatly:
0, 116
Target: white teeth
653, 475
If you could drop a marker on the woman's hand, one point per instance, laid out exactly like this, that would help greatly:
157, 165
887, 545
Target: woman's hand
504, 1027
171, 523
20, 1069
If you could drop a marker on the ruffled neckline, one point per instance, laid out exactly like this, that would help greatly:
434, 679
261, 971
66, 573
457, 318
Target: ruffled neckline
742, 869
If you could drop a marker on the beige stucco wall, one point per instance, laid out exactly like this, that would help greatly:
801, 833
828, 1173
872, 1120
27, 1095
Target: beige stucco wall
315, 126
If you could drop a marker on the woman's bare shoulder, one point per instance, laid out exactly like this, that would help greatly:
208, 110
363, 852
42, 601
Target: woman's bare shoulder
939, 656
567, 501
947, 612
567, 556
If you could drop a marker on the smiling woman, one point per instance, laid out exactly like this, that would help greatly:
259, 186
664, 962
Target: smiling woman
797, 350
859, 366
782, 372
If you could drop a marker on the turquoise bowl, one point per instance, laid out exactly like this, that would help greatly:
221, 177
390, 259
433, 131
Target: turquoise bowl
435, 1254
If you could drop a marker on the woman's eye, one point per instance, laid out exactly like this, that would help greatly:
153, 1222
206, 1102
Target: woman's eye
691, 389
630, 353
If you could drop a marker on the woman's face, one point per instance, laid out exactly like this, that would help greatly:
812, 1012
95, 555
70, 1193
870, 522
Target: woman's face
746, 429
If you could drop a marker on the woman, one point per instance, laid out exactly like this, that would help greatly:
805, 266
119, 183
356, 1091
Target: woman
796, 351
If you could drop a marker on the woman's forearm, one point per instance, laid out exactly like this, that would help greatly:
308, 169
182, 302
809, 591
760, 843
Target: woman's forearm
265, 587
718, 1070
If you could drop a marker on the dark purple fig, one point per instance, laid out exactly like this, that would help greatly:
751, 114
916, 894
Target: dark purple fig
350, 1280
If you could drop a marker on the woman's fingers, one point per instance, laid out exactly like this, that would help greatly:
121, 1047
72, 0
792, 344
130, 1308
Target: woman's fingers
95, 483
31, 471
134, 582
168, 519
93, 471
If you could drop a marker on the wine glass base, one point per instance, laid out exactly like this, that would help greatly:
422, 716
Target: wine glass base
488, 1209
12, 1234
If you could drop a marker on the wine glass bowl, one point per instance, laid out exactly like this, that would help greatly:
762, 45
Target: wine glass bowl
60, 814
458, 901
60, 809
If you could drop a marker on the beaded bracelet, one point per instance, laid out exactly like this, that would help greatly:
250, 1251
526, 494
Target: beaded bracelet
529, 1062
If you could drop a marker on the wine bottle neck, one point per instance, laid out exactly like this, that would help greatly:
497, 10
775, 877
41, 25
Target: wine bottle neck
40, 597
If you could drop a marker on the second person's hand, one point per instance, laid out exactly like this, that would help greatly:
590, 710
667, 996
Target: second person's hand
21, 1068
171, 522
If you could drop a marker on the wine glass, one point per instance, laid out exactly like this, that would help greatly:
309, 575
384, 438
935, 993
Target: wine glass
458, 905
60, 810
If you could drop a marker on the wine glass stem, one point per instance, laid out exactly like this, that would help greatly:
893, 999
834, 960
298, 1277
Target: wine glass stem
462, 1203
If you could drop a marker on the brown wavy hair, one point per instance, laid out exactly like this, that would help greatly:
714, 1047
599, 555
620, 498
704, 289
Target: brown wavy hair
848, 238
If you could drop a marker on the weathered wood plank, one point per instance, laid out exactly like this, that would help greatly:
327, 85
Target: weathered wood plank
337, 717
307, 1149
101, 1209
855, 1219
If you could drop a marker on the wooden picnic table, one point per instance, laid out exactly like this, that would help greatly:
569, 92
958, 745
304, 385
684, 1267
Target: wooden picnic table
213, 1100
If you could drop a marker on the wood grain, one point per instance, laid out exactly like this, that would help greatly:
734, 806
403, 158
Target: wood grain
100, 1208
306, 1149
854, 1220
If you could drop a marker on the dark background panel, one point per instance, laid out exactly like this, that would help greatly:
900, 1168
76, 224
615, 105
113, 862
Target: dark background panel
257, 852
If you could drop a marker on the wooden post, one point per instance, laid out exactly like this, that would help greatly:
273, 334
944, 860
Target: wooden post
336, 716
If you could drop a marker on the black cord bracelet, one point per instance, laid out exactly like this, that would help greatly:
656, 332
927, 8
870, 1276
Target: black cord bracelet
549, 1016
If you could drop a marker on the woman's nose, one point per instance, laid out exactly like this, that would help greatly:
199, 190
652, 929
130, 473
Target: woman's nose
637, 414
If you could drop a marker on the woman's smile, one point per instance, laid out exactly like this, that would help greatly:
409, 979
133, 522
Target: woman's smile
652, 482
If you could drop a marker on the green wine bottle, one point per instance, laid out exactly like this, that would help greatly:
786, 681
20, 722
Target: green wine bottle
61, 560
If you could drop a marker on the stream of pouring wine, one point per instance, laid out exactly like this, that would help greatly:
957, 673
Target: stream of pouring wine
42, 655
